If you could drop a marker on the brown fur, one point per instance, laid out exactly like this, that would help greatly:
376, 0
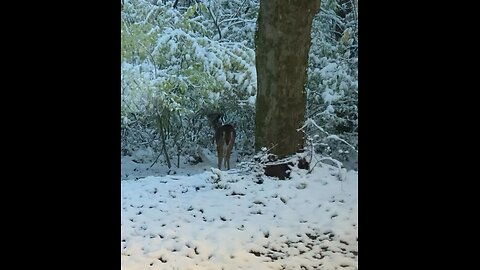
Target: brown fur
224, 136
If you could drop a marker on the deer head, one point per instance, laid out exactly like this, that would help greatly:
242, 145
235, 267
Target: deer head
224, 138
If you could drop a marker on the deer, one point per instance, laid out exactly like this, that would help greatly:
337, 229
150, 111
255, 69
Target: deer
224, 139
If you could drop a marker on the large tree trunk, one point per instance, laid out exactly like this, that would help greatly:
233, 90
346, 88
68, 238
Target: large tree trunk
282, 44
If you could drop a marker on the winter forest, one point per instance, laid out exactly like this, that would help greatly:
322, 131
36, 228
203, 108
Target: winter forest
198, 73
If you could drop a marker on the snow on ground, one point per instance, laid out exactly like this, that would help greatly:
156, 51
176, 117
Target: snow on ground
139, 164
237, 220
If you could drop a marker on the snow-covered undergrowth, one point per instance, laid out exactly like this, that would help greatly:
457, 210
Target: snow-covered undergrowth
239, 220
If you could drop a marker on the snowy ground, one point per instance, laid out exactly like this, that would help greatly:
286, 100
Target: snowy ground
213, 219
139, 165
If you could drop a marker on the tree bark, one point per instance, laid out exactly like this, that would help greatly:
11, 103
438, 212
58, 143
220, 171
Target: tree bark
282, 44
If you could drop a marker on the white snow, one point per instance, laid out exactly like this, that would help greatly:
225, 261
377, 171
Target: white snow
252, 100
330, 96
212, 219
329, 70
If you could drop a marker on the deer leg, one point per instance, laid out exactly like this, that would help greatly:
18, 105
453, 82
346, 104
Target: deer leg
227, 158
220, 155
228, 152
219, 161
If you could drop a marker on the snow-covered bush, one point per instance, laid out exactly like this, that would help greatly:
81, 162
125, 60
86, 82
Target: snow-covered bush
333, 82
173, 73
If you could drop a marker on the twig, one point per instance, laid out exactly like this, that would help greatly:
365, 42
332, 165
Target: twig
155, 160
215, 22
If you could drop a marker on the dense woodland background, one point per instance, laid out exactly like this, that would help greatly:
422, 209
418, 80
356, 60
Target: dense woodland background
184, 59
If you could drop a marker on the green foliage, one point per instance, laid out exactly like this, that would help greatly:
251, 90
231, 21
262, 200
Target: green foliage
173, 73
333, 80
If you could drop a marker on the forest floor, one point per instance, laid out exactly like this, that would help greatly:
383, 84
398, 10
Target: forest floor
204, 218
